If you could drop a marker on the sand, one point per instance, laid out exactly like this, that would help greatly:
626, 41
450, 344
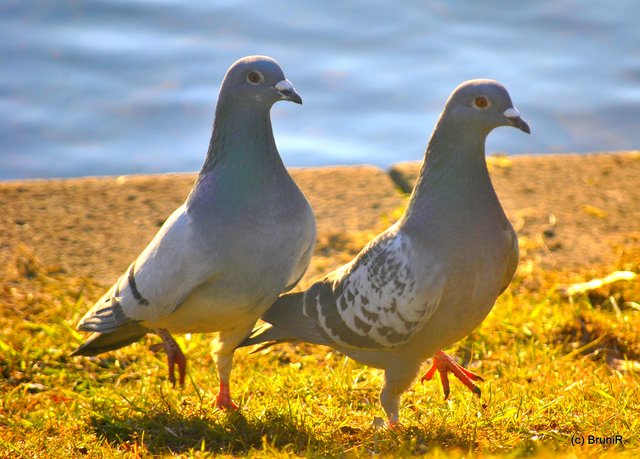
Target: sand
572, 212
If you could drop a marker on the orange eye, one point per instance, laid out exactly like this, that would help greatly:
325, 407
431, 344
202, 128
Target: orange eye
481, 102
254, 77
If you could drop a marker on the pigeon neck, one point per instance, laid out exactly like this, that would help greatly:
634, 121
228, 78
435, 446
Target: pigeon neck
454, 173
242, 151
241, 137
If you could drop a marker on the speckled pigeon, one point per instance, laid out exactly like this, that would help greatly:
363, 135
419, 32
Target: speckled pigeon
433, 276
245, 235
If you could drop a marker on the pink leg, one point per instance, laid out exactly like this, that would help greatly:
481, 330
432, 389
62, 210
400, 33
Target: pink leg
175, 356
228, 340
444, 364
223, 400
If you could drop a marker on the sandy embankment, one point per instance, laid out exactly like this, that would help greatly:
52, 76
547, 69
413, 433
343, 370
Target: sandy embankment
572, 212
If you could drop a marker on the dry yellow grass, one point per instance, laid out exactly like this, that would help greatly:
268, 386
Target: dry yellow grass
558, 371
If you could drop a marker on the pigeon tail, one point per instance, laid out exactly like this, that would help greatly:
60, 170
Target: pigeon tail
103, 342
288, 323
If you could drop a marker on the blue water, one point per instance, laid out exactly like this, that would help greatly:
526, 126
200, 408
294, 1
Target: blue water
119, 87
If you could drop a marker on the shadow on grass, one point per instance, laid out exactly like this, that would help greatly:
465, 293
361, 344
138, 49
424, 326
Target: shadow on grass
415, 440
236, 434
231, 433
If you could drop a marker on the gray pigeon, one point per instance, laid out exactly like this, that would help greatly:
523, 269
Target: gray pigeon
429, 279
245, 234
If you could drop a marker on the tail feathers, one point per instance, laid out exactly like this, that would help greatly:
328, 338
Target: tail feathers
103, 342
267, 335
288, 323
106, 316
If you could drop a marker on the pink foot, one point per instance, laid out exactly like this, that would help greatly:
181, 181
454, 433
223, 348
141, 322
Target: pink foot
394, 426
175, 356
223, 400
445, 364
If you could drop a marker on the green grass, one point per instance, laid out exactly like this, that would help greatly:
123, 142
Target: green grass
554, 369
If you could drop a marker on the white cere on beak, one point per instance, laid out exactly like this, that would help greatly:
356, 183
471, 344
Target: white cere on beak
284, 85
512, 113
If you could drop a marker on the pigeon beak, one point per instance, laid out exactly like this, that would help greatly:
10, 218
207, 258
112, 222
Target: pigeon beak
288, 92
513, 115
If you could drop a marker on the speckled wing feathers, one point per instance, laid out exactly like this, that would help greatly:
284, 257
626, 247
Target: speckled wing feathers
373, 302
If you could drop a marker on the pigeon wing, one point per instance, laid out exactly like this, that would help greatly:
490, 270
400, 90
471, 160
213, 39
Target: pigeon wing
379, 300
158, 281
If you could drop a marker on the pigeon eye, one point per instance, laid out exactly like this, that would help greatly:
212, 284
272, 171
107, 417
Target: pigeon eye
481, 102
254, 77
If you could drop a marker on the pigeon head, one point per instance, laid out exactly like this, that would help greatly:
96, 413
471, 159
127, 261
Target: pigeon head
485, 105
257, 81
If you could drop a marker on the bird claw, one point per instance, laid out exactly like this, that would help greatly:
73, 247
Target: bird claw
223, 400
181, 362
443, 364
175, 356
395, 426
